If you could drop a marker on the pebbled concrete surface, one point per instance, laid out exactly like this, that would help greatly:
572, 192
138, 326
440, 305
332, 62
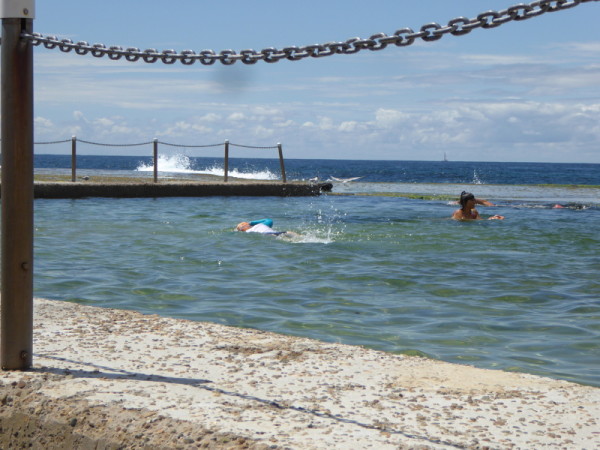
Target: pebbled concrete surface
106, 378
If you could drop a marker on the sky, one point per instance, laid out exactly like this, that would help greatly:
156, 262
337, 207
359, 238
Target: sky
524, 91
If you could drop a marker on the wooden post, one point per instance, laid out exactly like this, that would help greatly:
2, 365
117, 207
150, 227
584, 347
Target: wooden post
226, 162
155, 160
73, 158
281, 163
17, 184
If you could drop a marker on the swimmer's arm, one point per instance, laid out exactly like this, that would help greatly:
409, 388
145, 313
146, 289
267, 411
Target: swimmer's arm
481, 201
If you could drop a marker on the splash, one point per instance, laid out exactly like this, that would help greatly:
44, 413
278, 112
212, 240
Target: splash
324, 226
183, 164
169, 163
310, 237
235, 173
476, 179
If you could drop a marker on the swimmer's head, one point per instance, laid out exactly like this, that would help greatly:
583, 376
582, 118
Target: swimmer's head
465, 197
242, 226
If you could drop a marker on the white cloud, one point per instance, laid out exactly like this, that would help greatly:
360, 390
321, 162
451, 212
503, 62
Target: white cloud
489, 59
104, 122
236, 116
210, 118
262, 132
494, 130
265, 112
591, 48
284, 124
42, 123
326, 124
78, 115
389, 117
183, 129
349, 126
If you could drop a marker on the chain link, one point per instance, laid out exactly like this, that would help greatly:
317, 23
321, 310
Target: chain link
401, 38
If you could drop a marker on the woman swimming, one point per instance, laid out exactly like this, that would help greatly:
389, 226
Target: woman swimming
262, 226
467, 209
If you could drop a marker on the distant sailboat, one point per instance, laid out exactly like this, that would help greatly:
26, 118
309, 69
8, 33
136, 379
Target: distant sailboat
445, 158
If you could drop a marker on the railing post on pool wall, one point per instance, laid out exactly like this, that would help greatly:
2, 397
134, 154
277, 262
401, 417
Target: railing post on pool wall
73, 158
281, 163
226, 162
16, 94
155, 158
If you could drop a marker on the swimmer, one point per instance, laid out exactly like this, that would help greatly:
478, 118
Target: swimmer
467, 210
478, 201
262, 226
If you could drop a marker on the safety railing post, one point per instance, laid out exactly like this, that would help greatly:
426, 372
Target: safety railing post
155, 158
226, 162
73, 158
16, 93
281, 163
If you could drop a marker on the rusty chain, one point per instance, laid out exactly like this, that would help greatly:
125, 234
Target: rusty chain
401, 38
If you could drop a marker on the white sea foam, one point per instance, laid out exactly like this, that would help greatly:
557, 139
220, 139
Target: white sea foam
183, 164
235, 173
310, 237
169, 163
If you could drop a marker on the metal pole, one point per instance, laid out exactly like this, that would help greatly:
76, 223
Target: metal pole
226, 169
73, 158
155, 142
281, 163
17, 185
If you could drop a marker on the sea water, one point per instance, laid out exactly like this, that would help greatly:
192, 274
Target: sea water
369, 268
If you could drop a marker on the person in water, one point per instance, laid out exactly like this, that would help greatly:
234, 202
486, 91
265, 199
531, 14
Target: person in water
262, 226
467, 209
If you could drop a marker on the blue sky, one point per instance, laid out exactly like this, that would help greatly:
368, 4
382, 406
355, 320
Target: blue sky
525, 91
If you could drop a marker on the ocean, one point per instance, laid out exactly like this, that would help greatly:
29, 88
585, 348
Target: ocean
378, 262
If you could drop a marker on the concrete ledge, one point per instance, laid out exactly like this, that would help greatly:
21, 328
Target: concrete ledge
174, 189
30, 419
107, 379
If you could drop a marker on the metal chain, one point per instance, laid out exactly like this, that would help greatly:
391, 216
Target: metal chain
190, 146
401, 38
251, 146
114, 145
52, 142
159, 142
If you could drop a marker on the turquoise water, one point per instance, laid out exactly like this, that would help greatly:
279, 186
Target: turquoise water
389, 273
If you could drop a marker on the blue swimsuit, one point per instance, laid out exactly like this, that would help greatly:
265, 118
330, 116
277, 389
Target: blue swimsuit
267, 222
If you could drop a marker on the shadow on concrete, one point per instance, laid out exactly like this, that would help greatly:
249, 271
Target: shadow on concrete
120, 374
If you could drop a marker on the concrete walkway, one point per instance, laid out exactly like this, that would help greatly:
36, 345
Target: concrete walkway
107, 378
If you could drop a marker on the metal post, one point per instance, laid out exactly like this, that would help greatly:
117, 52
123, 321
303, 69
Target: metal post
155, 142
226, 164
281, 163
73, 158
17, 185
